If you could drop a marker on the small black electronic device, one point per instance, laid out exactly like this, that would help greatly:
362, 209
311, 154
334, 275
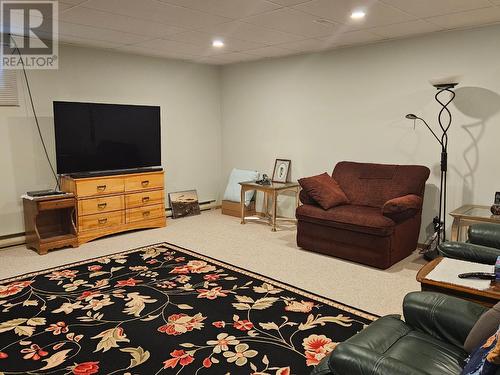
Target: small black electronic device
265, 180
44, 193
477, 275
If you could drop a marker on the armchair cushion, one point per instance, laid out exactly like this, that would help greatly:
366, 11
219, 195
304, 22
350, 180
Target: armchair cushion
443, 317
391, 346
485, 234
486, 326
357, 219
469, 252
402, 208
233, 188
324, 190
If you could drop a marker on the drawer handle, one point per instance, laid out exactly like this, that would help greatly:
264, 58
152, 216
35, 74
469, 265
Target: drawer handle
103, 220
145, 183
146, 213
102, 206
101, 187
145, 199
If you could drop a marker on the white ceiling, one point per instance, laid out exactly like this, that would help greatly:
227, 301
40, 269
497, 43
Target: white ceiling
255, 29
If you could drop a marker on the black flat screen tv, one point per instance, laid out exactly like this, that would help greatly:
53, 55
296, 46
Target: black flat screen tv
93, 137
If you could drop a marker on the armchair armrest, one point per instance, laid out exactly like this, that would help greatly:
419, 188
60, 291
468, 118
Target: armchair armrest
356, 360
402, 208
469, 252
446, 318
485, 234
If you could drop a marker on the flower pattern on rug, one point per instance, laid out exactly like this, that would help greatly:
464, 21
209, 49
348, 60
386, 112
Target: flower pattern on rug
165, 310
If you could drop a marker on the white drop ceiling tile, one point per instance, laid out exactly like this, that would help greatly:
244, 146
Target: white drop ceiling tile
87, 42
377, 13
227, 58
470, 18
158, 11
65, 6
88, 32
157, 53
227, 8
163, 45
73, 2
292, 21
98, 18
351, 38
304, 45
246, 31
205, 40
270, 51
289, 2
405, 29
429, 8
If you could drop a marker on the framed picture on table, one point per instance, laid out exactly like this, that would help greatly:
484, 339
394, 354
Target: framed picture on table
281, 170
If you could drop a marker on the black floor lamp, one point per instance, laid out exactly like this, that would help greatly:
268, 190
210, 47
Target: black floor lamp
444, 119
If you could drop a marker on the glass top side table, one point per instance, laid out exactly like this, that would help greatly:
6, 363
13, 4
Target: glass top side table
271, 192
469, 214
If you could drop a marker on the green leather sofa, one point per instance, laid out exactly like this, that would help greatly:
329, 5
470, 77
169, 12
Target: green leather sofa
483, 245
429, 342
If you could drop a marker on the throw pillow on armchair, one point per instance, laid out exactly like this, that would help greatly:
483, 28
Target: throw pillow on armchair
324, 190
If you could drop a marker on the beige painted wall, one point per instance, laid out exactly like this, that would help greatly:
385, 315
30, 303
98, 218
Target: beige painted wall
350, 104
190, 109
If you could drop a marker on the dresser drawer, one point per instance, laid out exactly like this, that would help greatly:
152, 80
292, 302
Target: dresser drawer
100, 186
98, 221
147, 198
145, 213
144, 182
97, 205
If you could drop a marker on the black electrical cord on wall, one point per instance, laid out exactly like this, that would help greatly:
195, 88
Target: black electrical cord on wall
34, 113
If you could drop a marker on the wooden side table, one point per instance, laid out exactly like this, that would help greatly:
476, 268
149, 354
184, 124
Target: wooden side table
487, 297
270, 192
49, 222
469, 214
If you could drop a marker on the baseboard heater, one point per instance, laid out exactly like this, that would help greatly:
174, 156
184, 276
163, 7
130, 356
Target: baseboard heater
16, 239
204, 206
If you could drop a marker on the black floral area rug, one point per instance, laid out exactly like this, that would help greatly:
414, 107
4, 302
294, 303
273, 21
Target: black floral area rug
164, 310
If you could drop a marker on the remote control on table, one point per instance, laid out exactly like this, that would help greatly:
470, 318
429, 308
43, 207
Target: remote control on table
477, 275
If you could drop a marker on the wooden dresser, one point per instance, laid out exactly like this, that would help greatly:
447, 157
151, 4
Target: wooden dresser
112, 204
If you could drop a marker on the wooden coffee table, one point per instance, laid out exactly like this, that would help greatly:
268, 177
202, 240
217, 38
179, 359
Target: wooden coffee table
488, 297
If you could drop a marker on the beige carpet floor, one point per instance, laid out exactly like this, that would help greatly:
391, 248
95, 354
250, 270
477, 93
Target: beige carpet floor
252, 246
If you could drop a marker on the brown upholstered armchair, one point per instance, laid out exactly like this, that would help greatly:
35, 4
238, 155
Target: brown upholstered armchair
380, 225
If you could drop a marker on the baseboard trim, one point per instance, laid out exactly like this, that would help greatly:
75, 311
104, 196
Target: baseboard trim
12, 240
16, 239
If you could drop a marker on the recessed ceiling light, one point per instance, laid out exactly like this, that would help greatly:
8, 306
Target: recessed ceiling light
217, 43
358, 14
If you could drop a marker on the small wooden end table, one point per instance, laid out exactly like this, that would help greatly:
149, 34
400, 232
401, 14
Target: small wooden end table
469, 214
49, 222
270, 191
487, 297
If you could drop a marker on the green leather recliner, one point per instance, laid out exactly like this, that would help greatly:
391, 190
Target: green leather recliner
483, 245
429, 341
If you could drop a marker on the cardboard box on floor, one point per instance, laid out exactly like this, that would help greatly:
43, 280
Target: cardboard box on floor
234, 208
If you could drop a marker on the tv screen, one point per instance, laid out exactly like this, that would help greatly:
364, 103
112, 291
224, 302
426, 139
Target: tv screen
94, 137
